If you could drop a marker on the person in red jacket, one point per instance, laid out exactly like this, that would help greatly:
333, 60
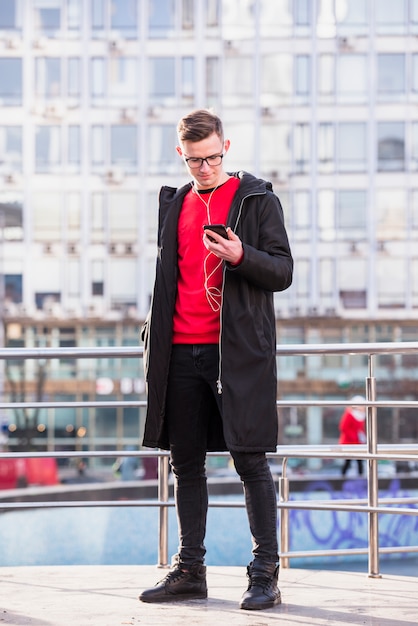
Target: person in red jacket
352, 430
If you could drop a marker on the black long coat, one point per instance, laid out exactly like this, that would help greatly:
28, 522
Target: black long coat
248, 328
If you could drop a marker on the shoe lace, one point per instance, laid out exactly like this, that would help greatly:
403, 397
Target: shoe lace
258, 579
174, 575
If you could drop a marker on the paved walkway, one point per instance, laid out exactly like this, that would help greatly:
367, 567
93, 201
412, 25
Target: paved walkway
107, 596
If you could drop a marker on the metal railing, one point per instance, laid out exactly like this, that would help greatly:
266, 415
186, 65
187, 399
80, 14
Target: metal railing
371, 451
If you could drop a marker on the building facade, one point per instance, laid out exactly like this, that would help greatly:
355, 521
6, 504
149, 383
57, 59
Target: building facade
318, 96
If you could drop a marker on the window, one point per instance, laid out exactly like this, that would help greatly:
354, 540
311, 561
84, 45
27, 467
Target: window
46, 299
150, 218
123, 281
302, 148
115, 80
414, 211
238, 83
237, 20
74, 13
276, 79
11, 82
352, 147
11, 148
97, 278
342, 216
116, 145
98, 155
276, 145
10, 15
413, 23
302, 78
161, 154
97, 218
122, 80
326, 215
188, 86
276, 18
391, 277
391, 146
326, 279
73, 216
414, 74
243, 144
11, 216
390, 16
47, 217
352, 282
123, 216
354, 89
47, 16
390, 214
391, 74
352, 17
352, 214
48, 151
48, 77
212, 13
303, 285
162, 80
123, 146
213, 81
161, 18
118, 16
301, 215
74, 151
326, 147
414, 147
123, 15
414, 283
302, 13
49, 72
73, 76
326, 77
72, 270
13, 288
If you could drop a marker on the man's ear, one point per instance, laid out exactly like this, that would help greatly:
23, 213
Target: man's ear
179, 151
227, 143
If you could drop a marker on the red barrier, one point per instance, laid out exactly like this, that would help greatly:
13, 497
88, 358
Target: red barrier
20, 472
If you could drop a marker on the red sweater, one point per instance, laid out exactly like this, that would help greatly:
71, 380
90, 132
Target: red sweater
195, 321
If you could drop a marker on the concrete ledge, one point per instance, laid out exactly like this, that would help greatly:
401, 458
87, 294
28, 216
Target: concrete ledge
107, 596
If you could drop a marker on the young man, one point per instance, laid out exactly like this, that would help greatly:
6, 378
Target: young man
210, 352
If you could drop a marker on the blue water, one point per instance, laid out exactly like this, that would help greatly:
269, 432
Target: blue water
108, 536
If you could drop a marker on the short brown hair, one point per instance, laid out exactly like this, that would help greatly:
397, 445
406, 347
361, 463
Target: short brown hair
198, 125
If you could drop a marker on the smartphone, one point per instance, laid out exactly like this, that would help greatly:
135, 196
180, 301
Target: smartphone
219, 229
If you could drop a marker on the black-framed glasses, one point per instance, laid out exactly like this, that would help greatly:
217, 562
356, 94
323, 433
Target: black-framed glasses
195, 162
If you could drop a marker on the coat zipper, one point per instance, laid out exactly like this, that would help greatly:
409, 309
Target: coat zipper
219, 381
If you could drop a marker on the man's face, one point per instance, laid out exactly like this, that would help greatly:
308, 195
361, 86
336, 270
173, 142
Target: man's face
206, 174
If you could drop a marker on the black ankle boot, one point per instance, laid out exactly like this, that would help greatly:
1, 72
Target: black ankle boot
179, 585
262, 592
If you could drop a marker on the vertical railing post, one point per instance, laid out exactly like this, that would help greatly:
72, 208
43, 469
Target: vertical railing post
372, 474
284, 515
163, 511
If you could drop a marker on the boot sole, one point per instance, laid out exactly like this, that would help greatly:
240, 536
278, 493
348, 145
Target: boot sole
181, 597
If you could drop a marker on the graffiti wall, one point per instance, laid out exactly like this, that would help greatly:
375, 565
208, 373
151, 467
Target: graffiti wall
340, 530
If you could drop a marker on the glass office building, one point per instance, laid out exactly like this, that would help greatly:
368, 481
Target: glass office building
318, 96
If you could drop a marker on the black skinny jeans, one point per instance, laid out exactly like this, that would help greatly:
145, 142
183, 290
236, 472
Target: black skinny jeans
192, 400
